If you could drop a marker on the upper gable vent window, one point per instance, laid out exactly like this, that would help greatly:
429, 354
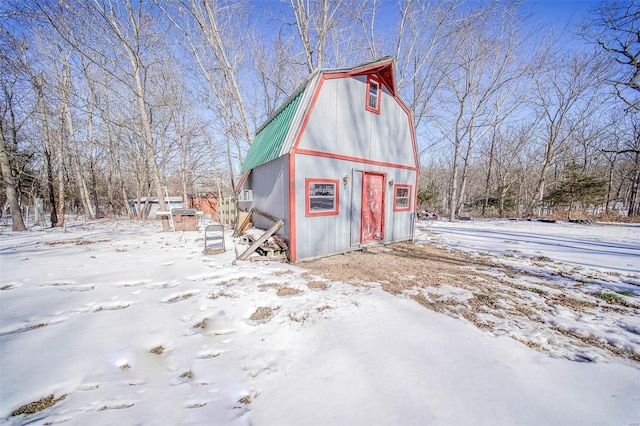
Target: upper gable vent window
373, 95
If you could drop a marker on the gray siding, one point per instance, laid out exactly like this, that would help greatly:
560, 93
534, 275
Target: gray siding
269, 184
322, 235
340, 124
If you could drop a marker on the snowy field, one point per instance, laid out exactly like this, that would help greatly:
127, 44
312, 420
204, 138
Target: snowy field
125, 325
606, 248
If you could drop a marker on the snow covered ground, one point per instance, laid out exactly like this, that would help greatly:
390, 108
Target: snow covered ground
606, 248
124, 324
568, 289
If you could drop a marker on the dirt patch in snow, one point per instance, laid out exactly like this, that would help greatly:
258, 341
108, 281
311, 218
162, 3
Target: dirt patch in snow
262, 314
288, 291
76, 242
37, 406
565, 321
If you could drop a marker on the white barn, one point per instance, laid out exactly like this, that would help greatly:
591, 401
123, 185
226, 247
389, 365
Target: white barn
337, 162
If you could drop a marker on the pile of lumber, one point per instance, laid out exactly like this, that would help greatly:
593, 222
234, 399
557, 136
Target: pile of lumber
263, 242
272, 247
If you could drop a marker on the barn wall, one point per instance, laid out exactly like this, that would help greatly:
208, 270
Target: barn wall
340, 124
323, 235
269, 184
400, 223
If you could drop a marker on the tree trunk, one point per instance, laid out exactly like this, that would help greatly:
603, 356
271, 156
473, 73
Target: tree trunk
465, 176
453, 194
17, 224
50, 187
37, 82
76, 163
487, 183
94, 188
503, 195
185, 178
538, 194
634, 201
60, 176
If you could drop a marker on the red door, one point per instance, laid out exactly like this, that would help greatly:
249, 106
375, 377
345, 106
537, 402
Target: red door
372, 225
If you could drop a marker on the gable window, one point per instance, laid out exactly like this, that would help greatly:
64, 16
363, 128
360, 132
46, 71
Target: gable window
322, 197
402, 200
373, 94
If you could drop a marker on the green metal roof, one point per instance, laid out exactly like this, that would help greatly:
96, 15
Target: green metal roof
268, 142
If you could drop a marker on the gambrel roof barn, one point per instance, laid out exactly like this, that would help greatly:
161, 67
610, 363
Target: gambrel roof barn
337, 163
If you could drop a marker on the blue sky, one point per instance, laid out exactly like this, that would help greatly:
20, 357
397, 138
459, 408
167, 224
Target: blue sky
563, 16
559, 12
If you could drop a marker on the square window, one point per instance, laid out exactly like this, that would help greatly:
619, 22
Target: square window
402, 200
322, 197
373, 95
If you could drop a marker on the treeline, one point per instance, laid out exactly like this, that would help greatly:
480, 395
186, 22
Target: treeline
107, 101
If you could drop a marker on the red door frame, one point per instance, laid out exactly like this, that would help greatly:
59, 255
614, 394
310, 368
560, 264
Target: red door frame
381, 208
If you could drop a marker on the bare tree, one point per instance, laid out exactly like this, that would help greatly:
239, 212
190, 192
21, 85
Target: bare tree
9, 127
76, 164
37, 82
276, 76
634, 153
314, 20
615, 27
366, 15
508, 161
626, 151
211, 32
92, 104
484, 68
567, 94
10, 184
105, 92
207, 15
131, 29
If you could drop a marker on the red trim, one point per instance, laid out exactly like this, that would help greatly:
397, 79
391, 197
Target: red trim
395, 198
331, 76
292, 174
292, 208
371, 78
373, 66
415, 195
243, 179
385, 71
382, 208
303, 125
335, 211
355, 159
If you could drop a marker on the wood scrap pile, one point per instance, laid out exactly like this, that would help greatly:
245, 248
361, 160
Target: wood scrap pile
263, 242
273, 247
